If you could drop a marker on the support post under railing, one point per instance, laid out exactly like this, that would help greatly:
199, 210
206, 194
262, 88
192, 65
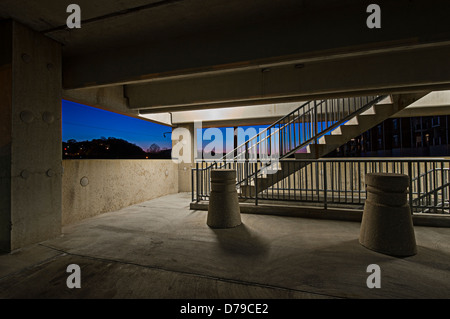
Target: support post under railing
256, 183
246, 162
198, 187
410, 187
315, 121
325, 185
192, 185
317, 181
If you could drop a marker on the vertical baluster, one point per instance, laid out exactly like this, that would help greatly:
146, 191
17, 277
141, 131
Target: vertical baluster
192, 185
352, 185
289, 178
316, 121
419, 188
410, 174
339, 181
333, 164
426, 188
306, 181
364, 183
256, 184
196, 179
300, 180
325, 185
345, 181
434, 187
443, 199
293, 175
359, 182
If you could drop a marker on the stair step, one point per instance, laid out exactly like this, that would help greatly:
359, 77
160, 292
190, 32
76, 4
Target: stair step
370, 111
339, 136
384, 109
337, 131
314, 151
386, 100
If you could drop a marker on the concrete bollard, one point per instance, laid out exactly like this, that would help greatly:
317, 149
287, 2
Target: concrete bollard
223, 209
386, 225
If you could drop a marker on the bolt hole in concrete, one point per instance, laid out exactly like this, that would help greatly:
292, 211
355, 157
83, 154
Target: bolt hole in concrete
25, 174
48, 117
84, 181
27, 116
50, 173
26, 58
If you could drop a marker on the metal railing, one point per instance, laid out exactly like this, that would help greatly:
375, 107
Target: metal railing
337, 182
301, 127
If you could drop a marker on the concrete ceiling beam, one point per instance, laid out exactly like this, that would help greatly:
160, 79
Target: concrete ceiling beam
103, 54
395, 72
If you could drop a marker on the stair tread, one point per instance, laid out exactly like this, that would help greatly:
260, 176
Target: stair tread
339, 136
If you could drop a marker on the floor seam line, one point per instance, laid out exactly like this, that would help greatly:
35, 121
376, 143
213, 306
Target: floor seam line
35, 264
248, 283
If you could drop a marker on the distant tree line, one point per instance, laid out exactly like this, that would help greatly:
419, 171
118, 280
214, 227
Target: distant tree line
111, 148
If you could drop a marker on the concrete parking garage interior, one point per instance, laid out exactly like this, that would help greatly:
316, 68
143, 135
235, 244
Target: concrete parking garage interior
176, 62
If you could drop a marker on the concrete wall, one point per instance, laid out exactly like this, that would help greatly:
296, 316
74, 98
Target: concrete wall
30, 143
113, 184
5, 135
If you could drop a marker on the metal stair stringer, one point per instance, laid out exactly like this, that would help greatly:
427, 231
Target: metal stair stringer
360, 124
354, 127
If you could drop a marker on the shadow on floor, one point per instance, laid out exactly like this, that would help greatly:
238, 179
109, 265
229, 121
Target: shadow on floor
242, 240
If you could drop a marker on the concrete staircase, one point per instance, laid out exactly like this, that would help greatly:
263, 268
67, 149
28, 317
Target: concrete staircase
352, 128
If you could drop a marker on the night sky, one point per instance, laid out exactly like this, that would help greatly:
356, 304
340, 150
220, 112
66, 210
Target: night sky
85, 123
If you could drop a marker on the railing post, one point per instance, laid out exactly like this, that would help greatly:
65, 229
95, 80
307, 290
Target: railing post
410, 186
246, 162
317, 181
198, 172
315, 122
192, 185
256, 183
436, 191
325, 186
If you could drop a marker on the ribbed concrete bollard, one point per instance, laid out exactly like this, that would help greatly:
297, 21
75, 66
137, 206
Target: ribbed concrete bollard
386, 225
223, 209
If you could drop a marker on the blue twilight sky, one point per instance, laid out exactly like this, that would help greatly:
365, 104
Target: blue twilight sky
85, 123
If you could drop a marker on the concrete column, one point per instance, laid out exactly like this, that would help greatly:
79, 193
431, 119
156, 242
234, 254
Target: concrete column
223, 209
30, 137
387, 226
184, 169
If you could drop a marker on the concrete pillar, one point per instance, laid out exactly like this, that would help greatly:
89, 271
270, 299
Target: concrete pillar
184, 169
223, 209
386, 225
30, 137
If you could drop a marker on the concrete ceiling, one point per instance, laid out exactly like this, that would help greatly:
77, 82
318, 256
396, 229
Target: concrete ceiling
109, 24
140, 47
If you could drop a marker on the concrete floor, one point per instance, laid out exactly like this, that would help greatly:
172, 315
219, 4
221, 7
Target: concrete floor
161, 249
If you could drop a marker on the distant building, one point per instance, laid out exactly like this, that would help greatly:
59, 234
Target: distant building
399, 137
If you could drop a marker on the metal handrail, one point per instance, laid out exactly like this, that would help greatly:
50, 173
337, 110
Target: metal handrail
429, 172
293, 118
340, 182
339, 123
267, 129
